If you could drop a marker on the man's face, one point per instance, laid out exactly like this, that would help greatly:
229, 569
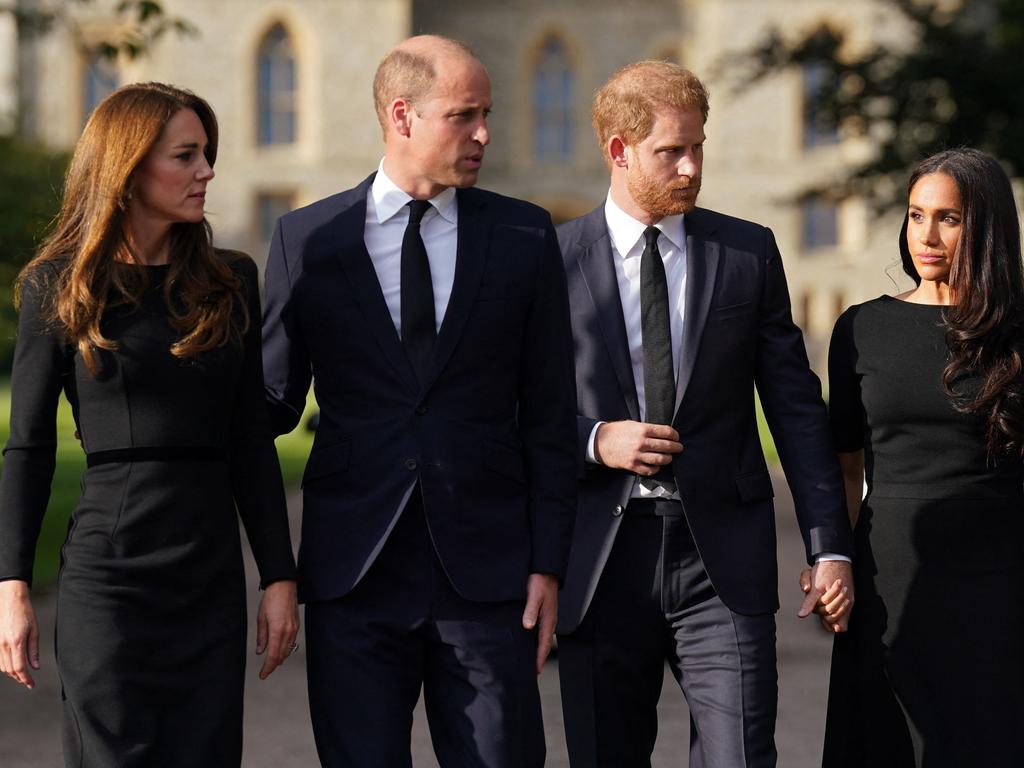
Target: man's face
663, 171
448, 129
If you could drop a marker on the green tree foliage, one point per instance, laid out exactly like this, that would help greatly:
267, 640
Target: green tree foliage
142, 23
31, 178
956, 79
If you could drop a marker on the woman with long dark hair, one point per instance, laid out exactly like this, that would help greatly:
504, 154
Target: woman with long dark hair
153, 336
927, 403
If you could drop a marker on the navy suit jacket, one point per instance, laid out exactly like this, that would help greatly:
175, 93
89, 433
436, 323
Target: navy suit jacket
489, 435
737, 333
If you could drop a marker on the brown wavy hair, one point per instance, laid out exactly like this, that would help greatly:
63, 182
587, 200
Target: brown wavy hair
985, 324
89, 239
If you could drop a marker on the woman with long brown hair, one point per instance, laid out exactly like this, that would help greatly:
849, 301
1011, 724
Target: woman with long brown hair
927, 404
153, 336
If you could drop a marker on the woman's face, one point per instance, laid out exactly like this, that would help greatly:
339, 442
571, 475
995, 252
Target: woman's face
170, 183
934, 220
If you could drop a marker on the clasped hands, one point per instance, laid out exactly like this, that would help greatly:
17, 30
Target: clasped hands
828, 590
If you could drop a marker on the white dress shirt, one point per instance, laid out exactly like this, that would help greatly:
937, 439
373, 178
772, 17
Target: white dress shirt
386, 220
627, 241
384, 229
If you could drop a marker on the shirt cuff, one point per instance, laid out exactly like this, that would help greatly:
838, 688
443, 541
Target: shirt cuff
591, 457
827, 556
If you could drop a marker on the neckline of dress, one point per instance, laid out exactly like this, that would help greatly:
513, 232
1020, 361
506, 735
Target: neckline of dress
894, 300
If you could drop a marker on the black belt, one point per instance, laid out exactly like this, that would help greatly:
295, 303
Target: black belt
655, 507
157, 453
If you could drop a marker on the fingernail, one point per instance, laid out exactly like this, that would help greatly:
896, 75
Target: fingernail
846, 590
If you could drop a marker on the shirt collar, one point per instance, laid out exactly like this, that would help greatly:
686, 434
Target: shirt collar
626, 232
388, 199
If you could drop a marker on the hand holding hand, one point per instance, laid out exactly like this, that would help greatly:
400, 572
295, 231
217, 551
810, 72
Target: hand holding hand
19, 633
277, 625
636, 446
828, 587
541, 612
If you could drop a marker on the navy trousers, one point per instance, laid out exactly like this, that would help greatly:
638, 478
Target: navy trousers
655, 604
403, 628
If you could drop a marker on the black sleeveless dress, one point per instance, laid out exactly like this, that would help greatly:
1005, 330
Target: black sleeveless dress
151, 625
931, 673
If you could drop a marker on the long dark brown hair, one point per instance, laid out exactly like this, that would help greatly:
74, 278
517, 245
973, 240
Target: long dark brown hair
985, 324
88, 239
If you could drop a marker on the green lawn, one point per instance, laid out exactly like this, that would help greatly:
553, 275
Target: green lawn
292, 450
767, 443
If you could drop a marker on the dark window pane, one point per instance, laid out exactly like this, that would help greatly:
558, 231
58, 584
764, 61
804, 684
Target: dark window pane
816, 131
99, 81
276, 89
269, 208
553, 126
819, 224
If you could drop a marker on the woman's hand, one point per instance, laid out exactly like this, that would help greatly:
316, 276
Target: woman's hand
19, 633
277, 625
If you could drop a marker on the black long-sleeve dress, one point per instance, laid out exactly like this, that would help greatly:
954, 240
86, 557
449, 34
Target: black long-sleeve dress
151, 625
931, 673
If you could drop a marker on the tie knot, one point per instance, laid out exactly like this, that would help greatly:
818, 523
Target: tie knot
417, 208
651, 236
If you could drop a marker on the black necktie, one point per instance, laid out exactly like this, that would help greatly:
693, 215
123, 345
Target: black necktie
659, 377
418, 329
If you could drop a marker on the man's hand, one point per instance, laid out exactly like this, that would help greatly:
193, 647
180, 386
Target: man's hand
277, 624
636, 446
829, 589
19, 633
541, 612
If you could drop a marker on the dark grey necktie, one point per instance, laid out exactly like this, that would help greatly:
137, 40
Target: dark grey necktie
417, 311
659, 376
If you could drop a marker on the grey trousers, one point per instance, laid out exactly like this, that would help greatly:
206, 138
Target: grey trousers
655, 604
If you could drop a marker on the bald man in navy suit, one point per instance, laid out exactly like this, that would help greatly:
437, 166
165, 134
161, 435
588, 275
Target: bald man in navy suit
439, 496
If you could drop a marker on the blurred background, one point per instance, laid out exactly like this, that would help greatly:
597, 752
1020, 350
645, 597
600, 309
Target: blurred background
818, 109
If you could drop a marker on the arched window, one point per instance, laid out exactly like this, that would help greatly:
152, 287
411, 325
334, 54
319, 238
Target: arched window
553, 124
276, 88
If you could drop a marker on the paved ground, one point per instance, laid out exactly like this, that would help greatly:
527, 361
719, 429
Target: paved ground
277, 721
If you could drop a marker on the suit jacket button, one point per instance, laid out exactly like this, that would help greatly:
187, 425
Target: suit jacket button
617, 511
410, 464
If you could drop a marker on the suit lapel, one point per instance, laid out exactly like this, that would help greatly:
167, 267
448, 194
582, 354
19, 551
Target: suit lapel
358, 269
474, 232
595, 262
702, 255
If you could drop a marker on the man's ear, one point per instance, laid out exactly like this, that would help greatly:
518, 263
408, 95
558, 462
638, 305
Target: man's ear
400, 115
618, 151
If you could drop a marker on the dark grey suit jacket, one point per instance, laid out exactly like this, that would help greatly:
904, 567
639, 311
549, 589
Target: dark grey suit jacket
738, 333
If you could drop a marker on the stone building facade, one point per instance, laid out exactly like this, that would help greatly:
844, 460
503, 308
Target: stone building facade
290, 81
